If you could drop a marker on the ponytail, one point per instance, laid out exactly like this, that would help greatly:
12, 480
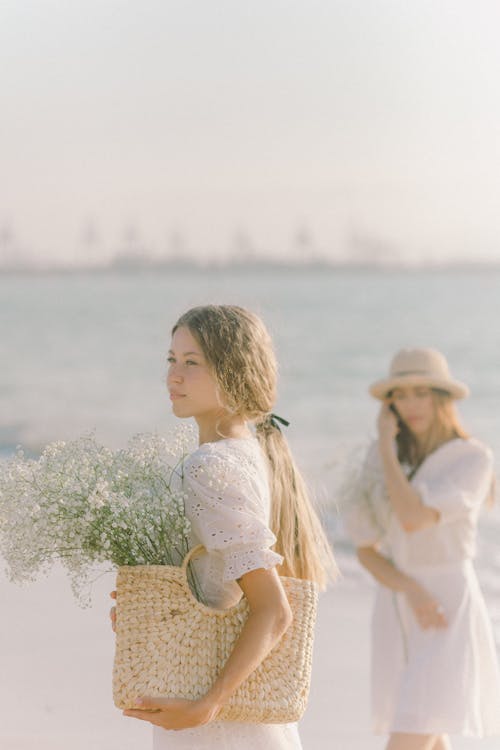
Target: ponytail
299, 533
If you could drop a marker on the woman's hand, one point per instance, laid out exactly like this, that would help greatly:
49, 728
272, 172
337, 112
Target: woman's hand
387, 424
428, 611
174, 713
170, 713
112, 612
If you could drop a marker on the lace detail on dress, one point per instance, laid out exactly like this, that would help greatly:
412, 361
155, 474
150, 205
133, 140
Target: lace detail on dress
228, 505
237, 562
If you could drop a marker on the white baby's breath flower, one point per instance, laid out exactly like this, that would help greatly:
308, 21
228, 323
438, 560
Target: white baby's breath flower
84, 504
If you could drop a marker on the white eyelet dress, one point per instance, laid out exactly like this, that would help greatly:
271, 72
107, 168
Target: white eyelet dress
445, 680
228, 505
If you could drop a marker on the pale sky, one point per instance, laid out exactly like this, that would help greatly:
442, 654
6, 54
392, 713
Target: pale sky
357, 122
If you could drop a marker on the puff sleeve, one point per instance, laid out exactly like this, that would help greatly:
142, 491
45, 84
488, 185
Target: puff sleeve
459, 481
228, 506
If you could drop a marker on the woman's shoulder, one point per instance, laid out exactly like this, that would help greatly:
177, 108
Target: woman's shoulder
465, 449
228, 457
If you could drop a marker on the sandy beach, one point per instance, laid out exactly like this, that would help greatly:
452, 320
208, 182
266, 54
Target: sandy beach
56, 661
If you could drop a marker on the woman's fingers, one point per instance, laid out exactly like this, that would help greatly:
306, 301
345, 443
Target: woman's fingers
387, 422
112, 612
440, 617
432, 616
112, 615
436, 616
428, 612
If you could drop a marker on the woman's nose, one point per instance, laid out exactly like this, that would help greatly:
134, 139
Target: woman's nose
174, 374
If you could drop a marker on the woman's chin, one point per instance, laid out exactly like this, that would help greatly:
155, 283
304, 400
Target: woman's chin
179, 411
419, 431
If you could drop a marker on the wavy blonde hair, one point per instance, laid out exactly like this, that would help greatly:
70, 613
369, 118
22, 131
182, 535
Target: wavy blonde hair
239, 351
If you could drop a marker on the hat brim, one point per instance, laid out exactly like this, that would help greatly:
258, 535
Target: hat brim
455, 388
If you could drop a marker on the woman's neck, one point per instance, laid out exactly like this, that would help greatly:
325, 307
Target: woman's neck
212, 430
431, 441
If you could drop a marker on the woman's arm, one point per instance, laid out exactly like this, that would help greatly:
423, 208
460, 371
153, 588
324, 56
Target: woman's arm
406, 502
427, 610
270, 615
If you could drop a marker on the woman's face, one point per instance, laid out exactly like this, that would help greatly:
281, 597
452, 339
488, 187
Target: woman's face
192, 387
415, 407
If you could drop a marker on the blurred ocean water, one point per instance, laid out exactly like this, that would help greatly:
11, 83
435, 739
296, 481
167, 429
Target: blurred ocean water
87, 352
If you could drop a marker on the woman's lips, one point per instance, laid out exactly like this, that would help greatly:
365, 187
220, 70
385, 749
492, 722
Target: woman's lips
175, 396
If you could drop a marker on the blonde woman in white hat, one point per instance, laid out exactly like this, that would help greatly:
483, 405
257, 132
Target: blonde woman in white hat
434, 666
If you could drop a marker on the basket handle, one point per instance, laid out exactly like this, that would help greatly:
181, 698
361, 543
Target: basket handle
192, 553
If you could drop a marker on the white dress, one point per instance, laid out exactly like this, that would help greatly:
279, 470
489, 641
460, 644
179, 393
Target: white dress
437, 680
228, 505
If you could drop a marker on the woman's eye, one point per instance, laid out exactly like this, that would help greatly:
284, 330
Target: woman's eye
191, 362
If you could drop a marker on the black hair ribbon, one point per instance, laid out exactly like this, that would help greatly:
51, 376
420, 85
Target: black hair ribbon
274, 419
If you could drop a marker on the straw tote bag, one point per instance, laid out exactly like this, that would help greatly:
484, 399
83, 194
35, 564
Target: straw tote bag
171, 645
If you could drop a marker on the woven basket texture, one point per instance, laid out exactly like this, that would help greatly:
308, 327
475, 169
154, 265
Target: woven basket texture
169, 644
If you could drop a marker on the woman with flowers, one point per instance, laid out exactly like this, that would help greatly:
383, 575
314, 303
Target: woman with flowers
247, 505
434, 667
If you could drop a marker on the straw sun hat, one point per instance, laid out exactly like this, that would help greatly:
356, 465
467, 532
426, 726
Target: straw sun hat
411, 367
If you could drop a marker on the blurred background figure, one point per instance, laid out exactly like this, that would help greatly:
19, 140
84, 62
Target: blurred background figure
434, 666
